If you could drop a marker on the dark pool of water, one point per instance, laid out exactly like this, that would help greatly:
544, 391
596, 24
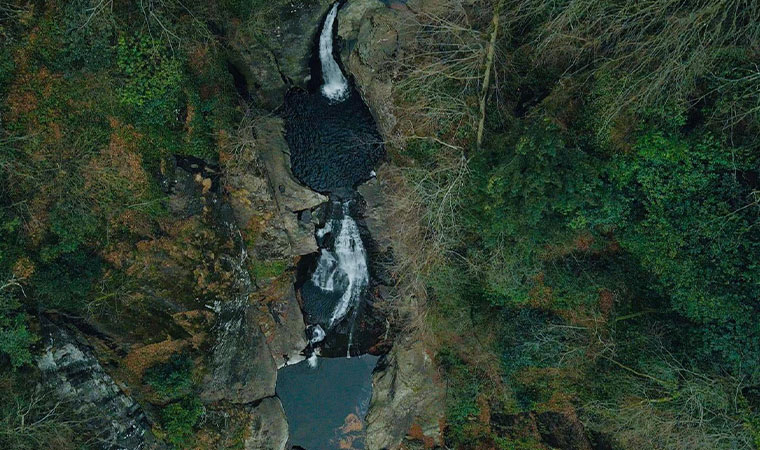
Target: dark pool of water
332, 146
326, 405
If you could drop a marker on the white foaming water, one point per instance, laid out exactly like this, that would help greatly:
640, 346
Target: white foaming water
317, 335
324, 275
335, 86
348, 259
312, 360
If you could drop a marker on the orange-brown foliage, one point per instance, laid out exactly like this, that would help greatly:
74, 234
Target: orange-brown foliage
606, 302
140, 359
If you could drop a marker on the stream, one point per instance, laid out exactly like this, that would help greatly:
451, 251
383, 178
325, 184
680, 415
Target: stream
334, 146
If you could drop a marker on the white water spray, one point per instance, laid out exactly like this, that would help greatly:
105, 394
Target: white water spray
348, 260
317, 335
335, 86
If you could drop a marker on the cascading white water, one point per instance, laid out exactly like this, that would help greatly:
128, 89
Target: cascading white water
335, 86
317, 335
348, 260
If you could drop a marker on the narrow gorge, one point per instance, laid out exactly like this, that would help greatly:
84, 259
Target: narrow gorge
334, 147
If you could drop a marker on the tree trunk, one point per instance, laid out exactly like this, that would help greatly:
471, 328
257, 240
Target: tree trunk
487, 72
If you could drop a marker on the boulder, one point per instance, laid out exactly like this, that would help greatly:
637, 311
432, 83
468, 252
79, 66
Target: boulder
281, 321
268, 426
406, 394
242, 369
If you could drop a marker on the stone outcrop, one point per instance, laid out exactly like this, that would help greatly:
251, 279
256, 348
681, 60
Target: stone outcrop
284, 34
242, 367
371, 32
406, 395
268, 426
376, 210
282, 323
266, 198
273, 210
70, 368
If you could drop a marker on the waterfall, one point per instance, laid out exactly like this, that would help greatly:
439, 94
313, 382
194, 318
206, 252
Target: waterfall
346, 264
335, 86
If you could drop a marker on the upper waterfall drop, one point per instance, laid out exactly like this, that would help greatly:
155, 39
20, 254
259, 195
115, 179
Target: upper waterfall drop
335, 86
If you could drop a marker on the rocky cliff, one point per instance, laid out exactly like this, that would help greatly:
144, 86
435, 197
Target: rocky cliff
408, 395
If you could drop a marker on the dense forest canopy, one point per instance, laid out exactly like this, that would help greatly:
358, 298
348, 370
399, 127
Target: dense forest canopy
599, 249
596, 251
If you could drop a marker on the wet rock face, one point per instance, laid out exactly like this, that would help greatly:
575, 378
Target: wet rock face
333, 146
374, 35
268, 428
242, 367
71, 369
405, 394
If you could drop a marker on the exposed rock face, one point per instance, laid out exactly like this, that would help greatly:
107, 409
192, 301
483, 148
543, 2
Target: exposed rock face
275, 155
407, 397
267, 199
242, 368
371, 32
282, 323
268, 427
405, 394
70, 368
286, 33
376, 211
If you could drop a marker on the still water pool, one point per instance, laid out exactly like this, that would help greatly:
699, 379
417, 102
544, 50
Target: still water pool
326, 404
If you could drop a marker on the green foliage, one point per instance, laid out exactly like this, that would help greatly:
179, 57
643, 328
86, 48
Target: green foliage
172, 379
461, 402
152, 80
503, 443
66, 282
690, 222
539, 180
16, 339
88, 37
9, 241
178, 420
72, 227
7, 67
263, 270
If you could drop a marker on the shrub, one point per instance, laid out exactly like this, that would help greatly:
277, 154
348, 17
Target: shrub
152, 80
15, 338
178, 420
172, 379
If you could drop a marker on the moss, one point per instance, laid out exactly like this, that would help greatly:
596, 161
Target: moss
264, 270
